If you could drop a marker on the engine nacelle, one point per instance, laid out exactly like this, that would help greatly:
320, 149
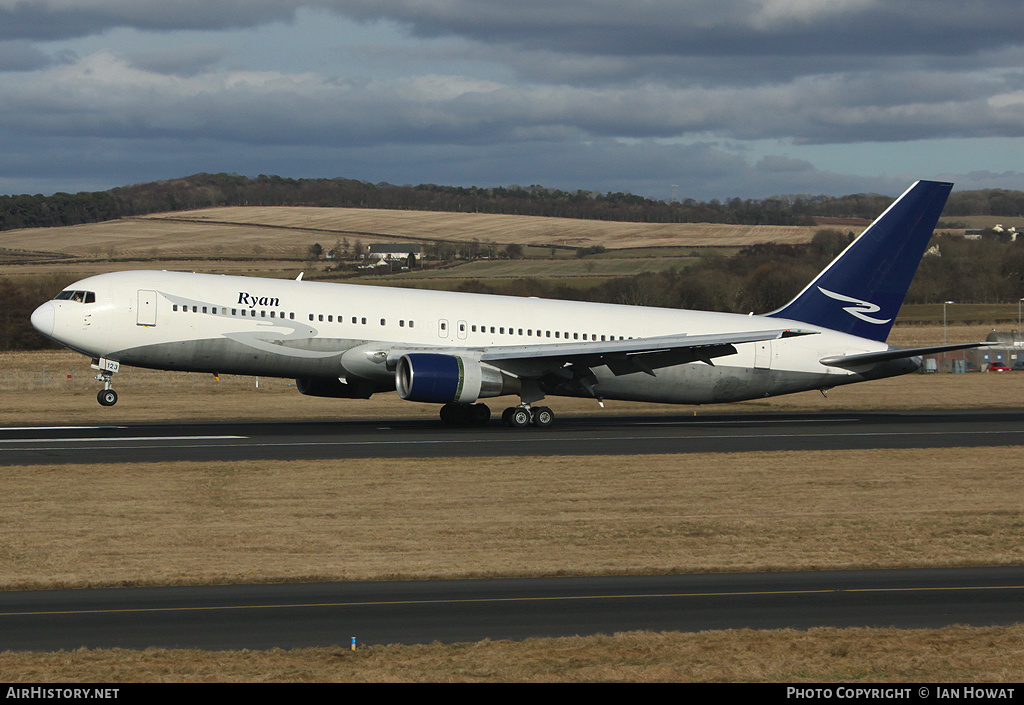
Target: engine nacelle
437, 378
334, 387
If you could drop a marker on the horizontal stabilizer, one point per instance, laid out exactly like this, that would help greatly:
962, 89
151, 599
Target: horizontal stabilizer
848, 361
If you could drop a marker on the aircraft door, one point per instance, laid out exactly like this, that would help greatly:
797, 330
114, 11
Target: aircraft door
442, 328
146, 315
463, 330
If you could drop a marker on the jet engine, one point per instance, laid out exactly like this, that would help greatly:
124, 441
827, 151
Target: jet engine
438, 378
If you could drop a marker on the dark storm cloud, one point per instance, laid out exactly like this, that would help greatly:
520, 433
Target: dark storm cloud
104, 96
541, 89
65, 19
592, 27
719, 28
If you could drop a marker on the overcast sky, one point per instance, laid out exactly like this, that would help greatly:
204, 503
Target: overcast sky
703, 98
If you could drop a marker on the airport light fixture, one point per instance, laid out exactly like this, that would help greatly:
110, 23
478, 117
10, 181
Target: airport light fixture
944, 304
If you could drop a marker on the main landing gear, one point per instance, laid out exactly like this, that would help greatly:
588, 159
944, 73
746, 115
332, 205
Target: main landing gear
514, 417
525, 415
465, 414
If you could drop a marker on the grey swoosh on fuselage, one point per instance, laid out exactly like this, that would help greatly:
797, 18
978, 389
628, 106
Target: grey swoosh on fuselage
272, 340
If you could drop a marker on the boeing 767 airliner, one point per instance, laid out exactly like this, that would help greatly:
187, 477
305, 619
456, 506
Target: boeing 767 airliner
453, 349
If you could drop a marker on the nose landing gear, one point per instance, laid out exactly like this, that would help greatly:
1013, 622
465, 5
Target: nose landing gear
107, 368
107, 397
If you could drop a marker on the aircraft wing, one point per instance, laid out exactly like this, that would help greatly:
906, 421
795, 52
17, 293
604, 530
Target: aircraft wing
621, 356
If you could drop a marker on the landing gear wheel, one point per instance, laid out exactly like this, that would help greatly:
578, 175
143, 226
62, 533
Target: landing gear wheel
518, 416
454, 414
543, 417
107, 397
481, 414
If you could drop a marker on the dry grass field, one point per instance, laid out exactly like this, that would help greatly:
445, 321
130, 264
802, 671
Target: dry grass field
503, 229
288, 232
980, 655
269, 521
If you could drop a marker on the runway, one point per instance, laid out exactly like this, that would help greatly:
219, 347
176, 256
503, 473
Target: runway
331, 614
578, 436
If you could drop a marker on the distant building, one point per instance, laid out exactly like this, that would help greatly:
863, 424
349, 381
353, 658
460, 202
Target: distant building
977, 233
400, 251
1009, 349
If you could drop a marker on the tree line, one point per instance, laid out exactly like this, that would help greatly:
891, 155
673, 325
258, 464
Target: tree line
211, 190
764, 277
56, 210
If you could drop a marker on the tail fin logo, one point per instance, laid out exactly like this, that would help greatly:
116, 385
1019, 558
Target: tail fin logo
860, 310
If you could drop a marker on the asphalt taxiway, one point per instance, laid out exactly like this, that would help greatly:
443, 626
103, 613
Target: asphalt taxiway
448, 611
580, 436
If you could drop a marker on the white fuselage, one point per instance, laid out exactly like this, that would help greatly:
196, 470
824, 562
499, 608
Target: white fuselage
300, 329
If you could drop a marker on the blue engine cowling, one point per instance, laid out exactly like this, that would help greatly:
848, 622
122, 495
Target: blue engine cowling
438, 378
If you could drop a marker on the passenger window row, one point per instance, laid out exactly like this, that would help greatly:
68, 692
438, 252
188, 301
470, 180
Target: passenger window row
328, 318
89, 297
223, 311
559, 335
356, 320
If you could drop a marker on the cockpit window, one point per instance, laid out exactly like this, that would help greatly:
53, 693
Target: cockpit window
84, 297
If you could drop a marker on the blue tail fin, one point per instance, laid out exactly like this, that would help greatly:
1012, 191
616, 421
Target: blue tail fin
862, 290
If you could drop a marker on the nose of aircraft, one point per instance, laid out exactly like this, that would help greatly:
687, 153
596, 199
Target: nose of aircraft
42, 319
